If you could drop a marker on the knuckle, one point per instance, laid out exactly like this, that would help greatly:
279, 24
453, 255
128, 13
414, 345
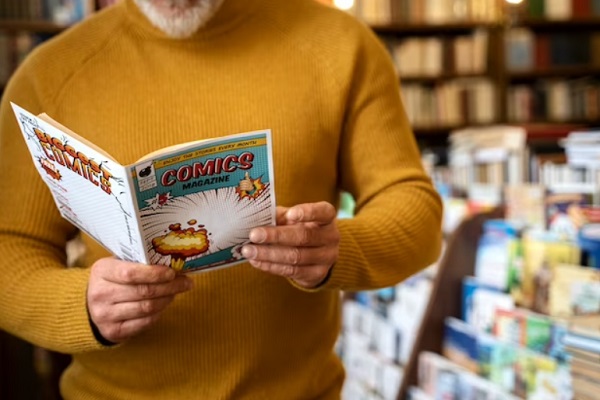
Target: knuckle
112, 332
146, 290
295, 256
146, 307
306, 236
125, 274
100, 314
289, 271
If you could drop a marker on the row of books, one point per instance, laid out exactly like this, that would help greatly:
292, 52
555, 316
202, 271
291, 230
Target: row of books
440, 378
523, 356
433, 56
59, 11
554, 100
378, 332
527, 50
582, 342
453, 102
382, 12
483, 160
563, 9
516, 351
493, 155
13, 49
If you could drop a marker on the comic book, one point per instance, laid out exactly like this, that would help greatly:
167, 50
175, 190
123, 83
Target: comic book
189, 206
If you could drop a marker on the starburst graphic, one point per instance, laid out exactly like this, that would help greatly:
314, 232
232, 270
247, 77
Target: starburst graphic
250, 188
159, 200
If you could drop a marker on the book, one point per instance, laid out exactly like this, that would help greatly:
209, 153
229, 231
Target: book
587, 325
480, 301
460, 344
531, 330
189, 206
585, 368
542, 252
572, 290
585, 389
582, 342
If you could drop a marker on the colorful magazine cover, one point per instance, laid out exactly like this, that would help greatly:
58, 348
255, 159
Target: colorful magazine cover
189, 206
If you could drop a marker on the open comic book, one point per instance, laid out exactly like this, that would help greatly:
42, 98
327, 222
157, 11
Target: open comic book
190, 206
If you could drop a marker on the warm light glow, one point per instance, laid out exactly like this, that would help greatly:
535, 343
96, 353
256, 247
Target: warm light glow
514, 1
344, 4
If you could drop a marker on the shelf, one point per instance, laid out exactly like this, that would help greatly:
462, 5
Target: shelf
444, 129
433, 29
555, 72
440, 78
31, 26
545, 24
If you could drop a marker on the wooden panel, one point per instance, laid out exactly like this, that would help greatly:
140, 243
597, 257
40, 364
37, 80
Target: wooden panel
457, 262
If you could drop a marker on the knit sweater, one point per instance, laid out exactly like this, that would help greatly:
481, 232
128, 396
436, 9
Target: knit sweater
324, 85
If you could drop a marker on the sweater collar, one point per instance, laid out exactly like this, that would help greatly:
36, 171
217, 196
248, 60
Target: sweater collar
230, 15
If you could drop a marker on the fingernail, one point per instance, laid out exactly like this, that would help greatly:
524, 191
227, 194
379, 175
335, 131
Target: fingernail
294, 214
258, 235
249, 252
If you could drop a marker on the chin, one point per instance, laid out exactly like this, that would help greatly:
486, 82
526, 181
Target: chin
179, 18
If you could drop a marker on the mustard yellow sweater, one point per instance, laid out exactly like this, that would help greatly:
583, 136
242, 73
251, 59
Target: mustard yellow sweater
324, 85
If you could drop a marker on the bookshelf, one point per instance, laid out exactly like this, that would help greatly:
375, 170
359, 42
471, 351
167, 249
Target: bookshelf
26, 371
25, 24
522, 95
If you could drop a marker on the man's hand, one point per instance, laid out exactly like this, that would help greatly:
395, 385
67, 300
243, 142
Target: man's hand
303, 246
124, 298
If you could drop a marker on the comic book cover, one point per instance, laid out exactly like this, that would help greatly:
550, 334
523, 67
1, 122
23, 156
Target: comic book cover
190, 206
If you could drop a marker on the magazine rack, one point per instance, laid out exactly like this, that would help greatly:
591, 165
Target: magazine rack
457, 262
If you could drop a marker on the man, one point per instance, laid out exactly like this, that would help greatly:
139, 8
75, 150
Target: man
145, 74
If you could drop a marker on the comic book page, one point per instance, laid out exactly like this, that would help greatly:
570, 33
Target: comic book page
198, 203
90, 189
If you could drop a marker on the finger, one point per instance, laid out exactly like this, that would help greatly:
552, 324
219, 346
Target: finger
280, 215
121, 331
322, 213
142, 291
131, 310
306, 274
128, 273
304, 235
290, 255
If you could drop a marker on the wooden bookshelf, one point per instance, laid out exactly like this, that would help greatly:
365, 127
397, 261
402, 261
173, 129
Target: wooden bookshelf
28, 371
12, 25
497, 70
434, 79
434, 29
557, 24
555, 72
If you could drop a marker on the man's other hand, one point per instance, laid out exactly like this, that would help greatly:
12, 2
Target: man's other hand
303, 246
125, 298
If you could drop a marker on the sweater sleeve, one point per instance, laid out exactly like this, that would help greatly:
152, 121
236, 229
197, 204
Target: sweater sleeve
41, 300
396, 230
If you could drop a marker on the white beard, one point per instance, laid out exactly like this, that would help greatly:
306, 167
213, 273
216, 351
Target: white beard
177, 18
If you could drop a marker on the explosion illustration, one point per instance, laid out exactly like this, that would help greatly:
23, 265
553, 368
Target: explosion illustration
226, 220
181, 244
